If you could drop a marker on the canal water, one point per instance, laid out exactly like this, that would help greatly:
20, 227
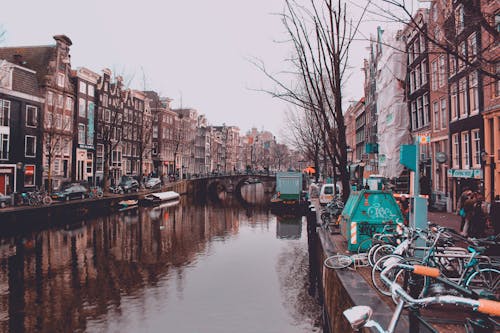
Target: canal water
192, 267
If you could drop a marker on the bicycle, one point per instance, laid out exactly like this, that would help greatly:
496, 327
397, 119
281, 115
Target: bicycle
339, 261
360, 316
96, 192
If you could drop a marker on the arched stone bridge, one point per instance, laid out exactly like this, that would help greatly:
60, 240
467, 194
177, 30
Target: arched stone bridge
230, 183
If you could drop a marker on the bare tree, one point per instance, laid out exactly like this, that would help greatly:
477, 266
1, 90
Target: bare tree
475, 14
279, 154
57, 132
306, 137
321, 35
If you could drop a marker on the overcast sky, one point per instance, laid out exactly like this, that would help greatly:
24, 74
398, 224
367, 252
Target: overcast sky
195, 52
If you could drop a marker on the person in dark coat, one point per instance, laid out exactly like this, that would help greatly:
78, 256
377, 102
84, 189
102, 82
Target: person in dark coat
495, 214
478, 218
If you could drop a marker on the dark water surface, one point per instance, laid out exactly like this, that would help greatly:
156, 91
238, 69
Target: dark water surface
186, 268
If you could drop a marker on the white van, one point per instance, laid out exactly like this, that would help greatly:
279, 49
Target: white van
327, 193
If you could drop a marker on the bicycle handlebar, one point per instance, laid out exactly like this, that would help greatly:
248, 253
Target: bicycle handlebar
485, 306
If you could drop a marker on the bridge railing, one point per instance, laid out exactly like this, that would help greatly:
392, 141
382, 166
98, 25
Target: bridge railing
231, 174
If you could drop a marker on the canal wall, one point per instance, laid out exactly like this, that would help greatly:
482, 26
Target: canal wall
342, 289
62, 213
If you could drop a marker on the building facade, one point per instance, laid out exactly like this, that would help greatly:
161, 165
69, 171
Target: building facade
83, 150
21, 105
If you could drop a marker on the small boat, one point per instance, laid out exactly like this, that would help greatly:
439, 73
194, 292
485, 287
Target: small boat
128, 203
160, 197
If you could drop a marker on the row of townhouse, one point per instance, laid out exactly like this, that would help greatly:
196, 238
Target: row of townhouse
451, 92
59, 124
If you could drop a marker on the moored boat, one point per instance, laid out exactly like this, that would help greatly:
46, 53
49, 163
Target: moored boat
161, 197
128, 203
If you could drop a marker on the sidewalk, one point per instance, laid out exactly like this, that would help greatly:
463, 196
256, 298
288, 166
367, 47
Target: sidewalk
444, 219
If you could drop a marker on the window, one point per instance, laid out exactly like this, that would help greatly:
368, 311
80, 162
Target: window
472, 43
81, 134
4, 146
444, 113
462, 103
4, 112
82, 106
58, 121
83, 87
412, 81
68, 124
454, 150
451, 62
424, 72
454, 101
116, 158
60, 79
50, 98
30, 146
459, 19
90, 90
465, 150
57, 166
107, 115
442, 71
31, 116
410, 54
69, 103
426, 110
60, 101
65, 149
462, 55
435, 111
434, 75
476, 149
418, 81
473, 93
420, 112
99, 158
29, 175
414, 115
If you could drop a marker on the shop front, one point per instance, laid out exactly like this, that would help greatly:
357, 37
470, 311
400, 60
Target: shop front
462, 179
7, 178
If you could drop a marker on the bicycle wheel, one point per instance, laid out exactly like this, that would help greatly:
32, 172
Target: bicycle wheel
366, 244
338, 261
371, 252
31, 201
47, 200
325, 217
485, 282
382, 251
413, 284
392, 274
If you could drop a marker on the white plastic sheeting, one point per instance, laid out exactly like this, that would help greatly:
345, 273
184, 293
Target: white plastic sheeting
393, 119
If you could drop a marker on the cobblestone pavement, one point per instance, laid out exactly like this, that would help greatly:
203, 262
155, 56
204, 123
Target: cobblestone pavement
448, 220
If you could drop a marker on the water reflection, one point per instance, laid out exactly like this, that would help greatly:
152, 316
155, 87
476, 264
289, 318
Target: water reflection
183, 268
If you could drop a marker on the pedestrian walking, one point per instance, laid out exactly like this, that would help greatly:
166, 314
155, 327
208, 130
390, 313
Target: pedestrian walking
468, 208
477, 225
466, 193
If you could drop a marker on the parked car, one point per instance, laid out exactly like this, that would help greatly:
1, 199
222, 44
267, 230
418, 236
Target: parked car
153, 182
4, 200
71, 191
327, 192
129, 185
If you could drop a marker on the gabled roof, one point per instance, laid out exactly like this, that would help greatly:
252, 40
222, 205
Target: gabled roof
36, 58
